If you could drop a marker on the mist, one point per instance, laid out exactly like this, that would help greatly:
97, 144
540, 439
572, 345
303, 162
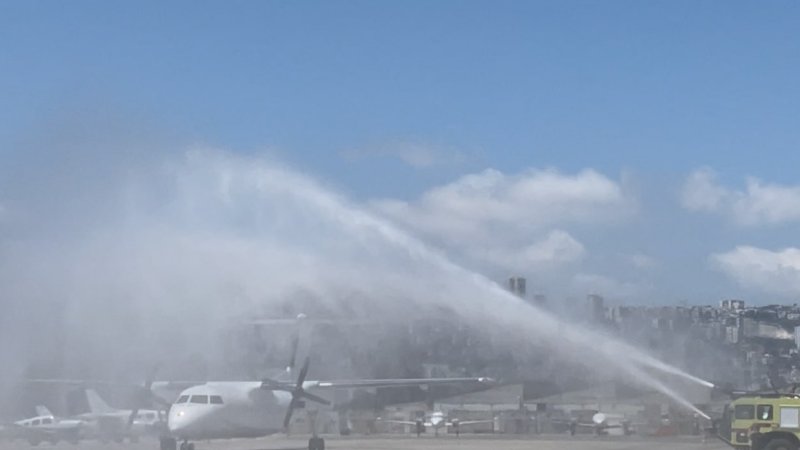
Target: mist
110, 265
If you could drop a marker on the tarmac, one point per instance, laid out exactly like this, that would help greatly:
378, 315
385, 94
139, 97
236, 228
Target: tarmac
395, 442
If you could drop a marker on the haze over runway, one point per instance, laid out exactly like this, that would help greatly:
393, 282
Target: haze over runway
441, 443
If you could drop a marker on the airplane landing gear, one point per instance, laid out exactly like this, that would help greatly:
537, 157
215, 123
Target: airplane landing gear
168, 443
316, 443
186, 445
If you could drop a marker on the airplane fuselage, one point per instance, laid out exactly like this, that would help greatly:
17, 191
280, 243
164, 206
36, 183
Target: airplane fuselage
247, 409
227, 410
49, 428
438, 420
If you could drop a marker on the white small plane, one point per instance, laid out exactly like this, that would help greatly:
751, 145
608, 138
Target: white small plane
437, 420
226, 410
607, 423
45, 427
601, 423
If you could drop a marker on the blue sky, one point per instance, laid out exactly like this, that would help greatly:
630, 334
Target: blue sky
390, 101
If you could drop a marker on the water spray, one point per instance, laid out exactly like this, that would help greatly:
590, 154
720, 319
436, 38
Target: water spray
358, 221
180, 251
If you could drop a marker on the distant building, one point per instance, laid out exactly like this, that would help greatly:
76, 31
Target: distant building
517, 286
732, 305
597, 307
797, 337
732, 334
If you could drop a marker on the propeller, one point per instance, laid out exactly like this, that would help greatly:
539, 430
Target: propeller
295, 343
297, 391
298, 394
146, 396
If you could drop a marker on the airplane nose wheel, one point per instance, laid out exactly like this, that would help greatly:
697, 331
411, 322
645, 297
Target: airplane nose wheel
316, 443
168, 443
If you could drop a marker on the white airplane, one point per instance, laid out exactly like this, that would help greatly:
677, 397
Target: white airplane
437, 420
226, 410
45, 427
607, 423
106, 423
602, 423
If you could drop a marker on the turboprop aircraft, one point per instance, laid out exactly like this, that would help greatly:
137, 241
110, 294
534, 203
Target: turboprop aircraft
437, 420
226, 410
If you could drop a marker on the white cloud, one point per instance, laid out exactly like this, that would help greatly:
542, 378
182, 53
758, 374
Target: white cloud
482, 205
556, 249
641, 261
417, 155
770, 271
758, 204
557, 246
514, 221
702, 193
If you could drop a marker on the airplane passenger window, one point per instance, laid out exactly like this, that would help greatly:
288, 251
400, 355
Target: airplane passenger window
216, 400
37, 422
182, 399
200, 399
47, 421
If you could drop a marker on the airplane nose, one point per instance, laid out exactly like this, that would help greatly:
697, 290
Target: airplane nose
179, 420
190, 422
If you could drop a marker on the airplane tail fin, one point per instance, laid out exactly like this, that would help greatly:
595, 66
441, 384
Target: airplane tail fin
42, 410
96, 403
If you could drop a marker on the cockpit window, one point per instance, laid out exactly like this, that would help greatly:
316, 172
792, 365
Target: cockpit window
216, 400
182, 399
47, 421
37, 422
200, 399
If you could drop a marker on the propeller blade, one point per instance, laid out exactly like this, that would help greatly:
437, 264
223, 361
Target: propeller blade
132, 417
303, 372
315, 398
146, 395
298, 393
288, 418
148, 382
293, 358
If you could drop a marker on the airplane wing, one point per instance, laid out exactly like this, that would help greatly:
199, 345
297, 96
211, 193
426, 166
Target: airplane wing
470, 422
590, 425
401, 422
181, 384
389, 382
